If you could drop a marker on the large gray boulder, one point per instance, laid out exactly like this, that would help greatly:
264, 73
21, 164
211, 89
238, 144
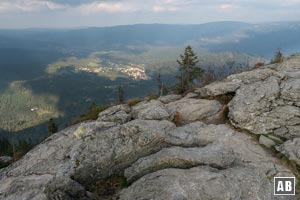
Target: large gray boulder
179, 157
253, 76
269, 105
116, 148
290, 91
291, 150
118, 114
147, 152
84, 153
202, 183
251, 108
152, 110
219, 164
24, 186
266, 103
233, 82
190, 109
218, 88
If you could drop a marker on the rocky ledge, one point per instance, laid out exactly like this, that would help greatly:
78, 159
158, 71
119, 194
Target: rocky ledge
224, 141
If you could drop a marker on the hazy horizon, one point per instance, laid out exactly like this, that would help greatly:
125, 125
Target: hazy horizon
135, 24
20, 14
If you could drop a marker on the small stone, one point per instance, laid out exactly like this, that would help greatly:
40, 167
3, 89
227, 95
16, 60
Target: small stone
266, 141
5, 159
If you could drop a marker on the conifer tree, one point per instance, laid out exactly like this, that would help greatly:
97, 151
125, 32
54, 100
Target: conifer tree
121, 94
6, 148
189, 72
160, 85
52, 127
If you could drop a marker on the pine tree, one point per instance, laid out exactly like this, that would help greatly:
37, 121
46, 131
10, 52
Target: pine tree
121, 94
189, 72
52, 127
160, 85
6, 148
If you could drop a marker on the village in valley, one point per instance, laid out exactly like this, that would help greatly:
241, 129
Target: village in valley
134, 71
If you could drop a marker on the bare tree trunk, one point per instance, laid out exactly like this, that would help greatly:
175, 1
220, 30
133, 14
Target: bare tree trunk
14, 151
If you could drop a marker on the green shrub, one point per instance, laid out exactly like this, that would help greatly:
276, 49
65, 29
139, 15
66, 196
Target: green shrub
14, 149
152, 97
278, 57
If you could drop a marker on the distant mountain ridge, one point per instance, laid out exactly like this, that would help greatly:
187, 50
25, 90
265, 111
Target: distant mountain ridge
258, 39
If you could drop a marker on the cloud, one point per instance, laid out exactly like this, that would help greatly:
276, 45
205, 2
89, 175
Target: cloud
129, 6
166, 5
226, 7
29, 5
159, 8
106, 7
73, 2
70, 13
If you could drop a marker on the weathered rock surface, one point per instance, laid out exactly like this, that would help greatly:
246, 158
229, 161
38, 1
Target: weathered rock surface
5, 159
251, 107
201, 183
218, 88
191, 95
99, 152
178, 157
169, 98
230, 166
233, 82
200, 160
253, 76
152, 110
119, 114
266, 103
270, 105
268, 142
191, 109
291, 150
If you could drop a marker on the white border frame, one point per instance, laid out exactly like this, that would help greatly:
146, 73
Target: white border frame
285, 194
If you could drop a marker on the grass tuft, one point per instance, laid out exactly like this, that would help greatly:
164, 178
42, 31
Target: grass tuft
91, 115
133, 102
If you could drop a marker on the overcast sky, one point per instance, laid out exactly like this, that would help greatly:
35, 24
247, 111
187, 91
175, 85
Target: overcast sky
83, 13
